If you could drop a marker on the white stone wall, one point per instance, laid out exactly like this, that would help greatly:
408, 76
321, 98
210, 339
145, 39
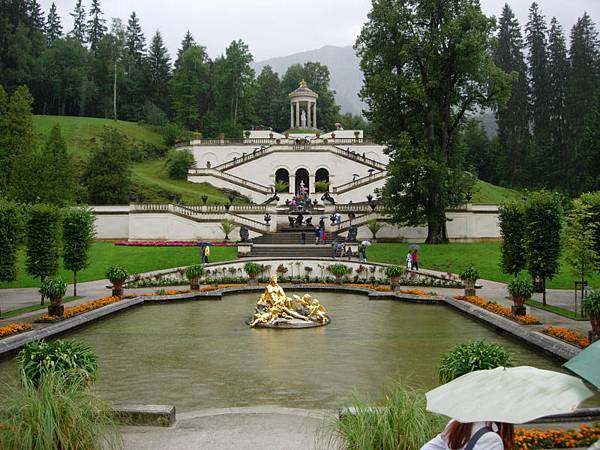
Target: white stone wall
112, 222
220, 183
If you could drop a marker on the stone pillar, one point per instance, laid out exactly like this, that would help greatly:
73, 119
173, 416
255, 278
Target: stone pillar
315, 115
311, 184
291, 115
292, 181
297, 115
308, 115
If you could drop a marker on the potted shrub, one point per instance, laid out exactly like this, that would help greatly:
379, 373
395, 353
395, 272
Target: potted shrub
54, 289
394, 273
591, 305
193, 274
252, 269
318, 134
469, 276
520, 291
247, 134
332, 135
356, 135
117, 276
287, 135
271, 135
281, 270
338, 270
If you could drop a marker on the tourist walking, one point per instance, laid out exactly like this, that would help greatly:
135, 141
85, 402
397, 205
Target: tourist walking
334, 249
324, 237
321, 233
317, 235
415, 260
206, 253
473, 436
409, 260
201, 244
303, 237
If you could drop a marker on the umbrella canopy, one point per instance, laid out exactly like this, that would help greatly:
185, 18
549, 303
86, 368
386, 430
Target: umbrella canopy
414, 247
587, 364
365, 243
511, 395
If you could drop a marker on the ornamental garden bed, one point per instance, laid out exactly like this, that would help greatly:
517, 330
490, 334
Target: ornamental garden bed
14, 328
172, 243
585, 436
499, 309
567, 335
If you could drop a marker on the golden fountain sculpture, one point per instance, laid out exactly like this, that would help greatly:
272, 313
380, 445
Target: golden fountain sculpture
275, 310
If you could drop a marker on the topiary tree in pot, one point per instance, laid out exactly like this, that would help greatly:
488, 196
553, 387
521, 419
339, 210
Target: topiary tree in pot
54, 289
339, 271
394, 273
591, 305
520, 291
253, 269
472, 356
117, 276
193, 274
469, 276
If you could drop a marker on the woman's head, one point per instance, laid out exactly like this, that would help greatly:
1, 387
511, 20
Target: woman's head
458, 434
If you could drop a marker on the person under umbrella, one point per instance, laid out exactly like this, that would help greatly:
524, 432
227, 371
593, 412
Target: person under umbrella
485, 404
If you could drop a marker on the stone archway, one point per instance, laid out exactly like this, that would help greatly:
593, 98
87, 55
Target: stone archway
282, 176
322, 176
302, 176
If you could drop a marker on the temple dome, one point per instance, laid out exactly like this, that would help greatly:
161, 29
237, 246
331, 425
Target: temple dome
303, 91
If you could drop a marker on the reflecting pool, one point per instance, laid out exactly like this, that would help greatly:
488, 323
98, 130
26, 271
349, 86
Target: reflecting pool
200, 355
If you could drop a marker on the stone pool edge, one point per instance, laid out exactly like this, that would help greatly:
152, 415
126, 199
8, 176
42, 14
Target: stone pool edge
547, 344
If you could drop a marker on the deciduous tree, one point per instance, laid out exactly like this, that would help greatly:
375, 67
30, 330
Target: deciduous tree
78, 235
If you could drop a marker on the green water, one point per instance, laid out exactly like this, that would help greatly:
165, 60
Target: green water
201, 354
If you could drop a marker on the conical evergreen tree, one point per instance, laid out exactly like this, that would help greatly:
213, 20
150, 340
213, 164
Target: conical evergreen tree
188, 41
53, 25
135, 40
513, 120
160, 71
96, 25
539, 91
36, 16
56, 177
583, 85
79, 31
558, 69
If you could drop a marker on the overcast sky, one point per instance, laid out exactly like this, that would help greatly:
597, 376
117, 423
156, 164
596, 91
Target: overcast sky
280, 27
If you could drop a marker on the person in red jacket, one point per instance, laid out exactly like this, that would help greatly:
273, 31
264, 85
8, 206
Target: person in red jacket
415, 260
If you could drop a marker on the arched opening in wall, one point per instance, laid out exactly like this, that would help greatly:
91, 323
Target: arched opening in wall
322, 180
282, 180
302, 180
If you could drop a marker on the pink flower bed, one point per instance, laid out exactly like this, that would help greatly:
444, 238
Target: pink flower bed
172, 243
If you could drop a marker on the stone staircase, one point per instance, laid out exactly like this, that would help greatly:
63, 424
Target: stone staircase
288, 242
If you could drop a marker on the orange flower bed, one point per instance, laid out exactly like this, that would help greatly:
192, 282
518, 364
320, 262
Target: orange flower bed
535, 439
499, 309
80, 309
420, 292
14, 328
571, 336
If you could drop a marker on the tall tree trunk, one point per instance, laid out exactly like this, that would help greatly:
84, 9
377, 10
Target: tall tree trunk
436, 233
42, 295
544, 291
74, 283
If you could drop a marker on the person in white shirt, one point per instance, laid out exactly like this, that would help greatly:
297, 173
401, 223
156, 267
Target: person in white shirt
473, 436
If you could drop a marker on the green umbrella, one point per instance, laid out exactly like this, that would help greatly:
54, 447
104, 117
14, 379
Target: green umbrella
587, 364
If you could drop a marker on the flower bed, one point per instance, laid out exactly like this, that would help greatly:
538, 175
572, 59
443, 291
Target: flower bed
79, 309
534, 439
14, 328
172, 243
499, 309
570, 336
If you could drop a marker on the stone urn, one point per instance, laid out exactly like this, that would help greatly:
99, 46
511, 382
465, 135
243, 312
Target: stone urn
117, 289
520, 290
56, 308
195, 284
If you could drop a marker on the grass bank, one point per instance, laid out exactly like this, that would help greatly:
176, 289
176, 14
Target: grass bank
456, 257
486, 193
134, 259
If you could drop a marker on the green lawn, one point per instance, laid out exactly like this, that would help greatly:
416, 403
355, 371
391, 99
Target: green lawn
486, 193
79, 131
456, 257
150, 179
134, 259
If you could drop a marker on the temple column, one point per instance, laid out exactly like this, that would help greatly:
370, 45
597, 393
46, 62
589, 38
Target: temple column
308, 116
315, 114
311, 184
291, 115
297, 115
292, 181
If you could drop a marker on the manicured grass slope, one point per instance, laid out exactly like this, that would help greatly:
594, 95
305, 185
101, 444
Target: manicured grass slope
456, 257
134, 259
151, 179
78, 131
486, 193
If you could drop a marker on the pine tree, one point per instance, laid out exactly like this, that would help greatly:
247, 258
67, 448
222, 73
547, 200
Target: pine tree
558, 69
539, 92
188, 41
135, 40
268, 101
160, 71
583, 86
513, 120
189, 86
96, 25
56, 171
79, 31
53, 25
36, 16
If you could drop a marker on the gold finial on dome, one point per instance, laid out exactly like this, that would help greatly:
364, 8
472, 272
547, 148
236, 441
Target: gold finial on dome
303, 83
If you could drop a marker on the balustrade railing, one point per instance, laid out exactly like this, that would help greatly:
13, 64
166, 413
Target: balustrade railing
275, 141
232, 178
359, 182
